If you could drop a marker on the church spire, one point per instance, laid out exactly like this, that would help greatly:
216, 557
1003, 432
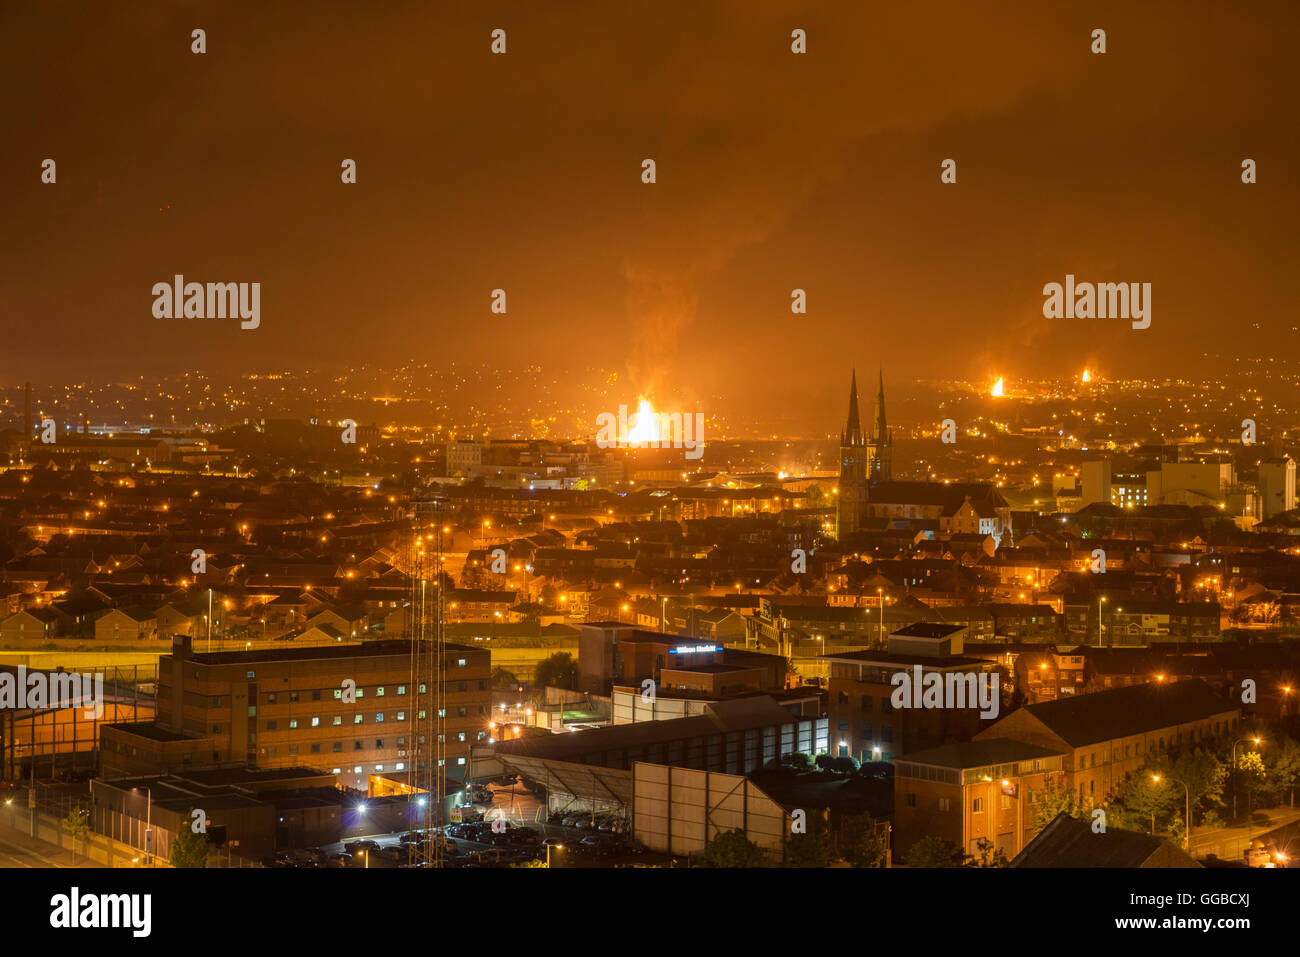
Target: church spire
852, 435
880, 432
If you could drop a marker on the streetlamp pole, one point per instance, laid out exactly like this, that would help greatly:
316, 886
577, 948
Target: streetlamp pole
148, 826
1187, 818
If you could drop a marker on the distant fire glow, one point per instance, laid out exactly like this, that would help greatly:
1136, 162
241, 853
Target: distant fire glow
646, 428
997, 389
1087, 376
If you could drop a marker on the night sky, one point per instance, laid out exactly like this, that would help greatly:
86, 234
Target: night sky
523, 171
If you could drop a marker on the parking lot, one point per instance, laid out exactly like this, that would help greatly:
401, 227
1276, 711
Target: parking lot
512, 828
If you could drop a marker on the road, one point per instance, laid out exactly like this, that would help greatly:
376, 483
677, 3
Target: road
17, 856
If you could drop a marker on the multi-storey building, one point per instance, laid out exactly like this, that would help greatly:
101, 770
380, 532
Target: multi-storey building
1107, 735
349, 709
972, 791
863, 722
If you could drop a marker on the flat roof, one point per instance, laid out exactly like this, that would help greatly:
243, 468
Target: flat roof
367, 649
891, 658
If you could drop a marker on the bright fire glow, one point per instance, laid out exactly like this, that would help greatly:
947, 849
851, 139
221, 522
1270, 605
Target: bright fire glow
997, 389
1087, 377
646, 427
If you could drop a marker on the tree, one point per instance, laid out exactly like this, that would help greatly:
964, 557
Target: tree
732, 849
1055, 799
1204, 775
813, 848
1286, 769
77, 824
558, 671
797, 760
503, 679
860, 841
1143, 802
989, 856
931, 851
188, 848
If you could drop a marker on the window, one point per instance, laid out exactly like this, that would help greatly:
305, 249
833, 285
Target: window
977, 805
442, 739
379, 767
338, 694
460, 736
315, 695
338, 720
293, 696
338, 746
252, 711
887, 732
251, 674
401, 742
357, 769
357, 718
293, 749
315, 748
866, 703
482, 735
315, 722
462, 685
844, 724
337, 771
216, 701
379, 744
423, 687
460, 760
442, 713
945, 804
1004, 801
358, 746
293, 722
401, 716
272, 698
270, 725
379, 692
400, 766
461, 662
462, 712
361, 692
216, 729
379, 717
401, 689
866, 732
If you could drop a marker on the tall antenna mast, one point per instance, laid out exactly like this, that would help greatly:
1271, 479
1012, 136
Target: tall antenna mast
425, 623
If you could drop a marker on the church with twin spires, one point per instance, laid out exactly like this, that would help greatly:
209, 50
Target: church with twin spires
864, 460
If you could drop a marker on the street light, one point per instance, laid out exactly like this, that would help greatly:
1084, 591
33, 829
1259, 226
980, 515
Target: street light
1187, 819
558, 847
